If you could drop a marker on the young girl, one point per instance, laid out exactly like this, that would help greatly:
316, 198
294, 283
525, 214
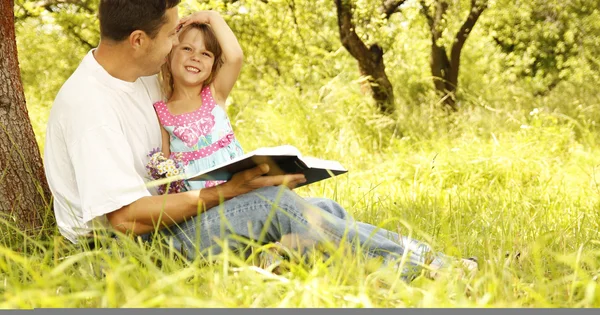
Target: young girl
196, 79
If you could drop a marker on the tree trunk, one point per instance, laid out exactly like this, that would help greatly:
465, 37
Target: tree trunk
24, 192
440, 70
443, 69
370, 60
477, 7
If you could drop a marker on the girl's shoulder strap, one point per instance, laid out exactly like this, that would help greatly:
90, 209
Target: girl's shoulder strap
163, 113
207, 92
207, 97
158, 104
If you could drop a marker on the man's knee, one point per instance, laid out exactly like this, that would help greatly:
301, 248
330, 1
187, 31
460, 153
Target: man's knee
323, 203
328, 206
290, 204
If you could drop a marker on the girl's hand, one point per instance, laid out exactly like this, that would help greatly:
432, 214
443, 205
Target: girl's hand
232, 54
201, 17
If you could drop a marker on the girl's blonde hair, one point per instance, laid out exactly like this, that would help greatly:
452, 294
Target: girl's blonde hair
210, 42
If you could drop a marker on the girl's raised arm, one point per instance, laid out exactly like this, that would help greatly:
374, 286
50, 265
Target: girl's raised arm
233, 55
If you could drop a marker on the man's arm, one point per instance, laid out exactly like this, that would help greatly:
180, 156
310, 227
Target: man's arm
143, 215
146, 213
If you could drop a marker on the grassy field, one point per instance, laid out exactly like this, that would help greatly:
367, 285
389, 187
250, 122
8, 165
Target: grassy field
513, 174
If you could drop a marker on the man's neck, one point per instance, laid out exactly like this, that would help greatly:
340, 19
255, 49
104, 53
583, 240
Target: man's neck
116, 61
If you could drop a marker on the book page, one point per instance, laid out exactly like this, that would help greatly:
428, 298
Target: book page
279, 150
323, 164
279, 159
284, 150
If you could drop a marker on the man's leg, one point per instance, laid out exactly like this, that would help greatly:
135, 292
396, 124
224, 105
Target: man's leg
271, 214
418, 250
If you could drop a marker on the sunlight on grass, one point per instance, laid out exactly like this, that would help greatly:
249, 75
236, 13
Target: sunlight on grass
518, 190
511, 178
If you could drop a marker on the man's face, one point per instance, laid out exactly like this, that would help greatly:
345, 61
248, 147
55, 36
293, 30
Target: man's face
159, 48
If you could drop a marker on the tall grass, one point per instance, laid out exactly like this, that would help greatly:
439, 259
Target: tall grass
512, 178
491, 181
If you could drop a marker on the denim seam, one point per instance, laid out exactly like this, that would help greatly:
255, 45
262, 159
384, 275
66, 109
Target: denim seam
250, 207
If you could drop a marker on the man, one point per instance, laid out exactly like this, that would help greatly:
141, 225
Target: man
102, 126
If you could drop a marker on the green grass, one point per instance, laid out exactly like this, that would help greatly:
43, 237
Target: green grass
511, 172
497, 177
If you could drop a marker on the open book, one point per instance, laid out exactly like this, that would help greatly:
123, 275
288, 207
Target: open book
281, 160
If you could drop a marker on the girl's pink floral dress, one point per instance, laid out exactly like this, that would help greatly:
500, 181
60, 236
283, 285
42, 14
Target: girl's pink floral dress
205, 136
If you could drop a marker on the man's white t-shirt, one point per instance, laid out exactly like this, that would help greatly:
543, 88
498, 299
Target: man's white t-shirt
99, 134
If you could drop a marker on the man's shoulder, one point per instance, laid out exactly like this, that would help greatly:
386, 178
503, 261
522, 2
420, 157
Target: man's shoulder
80, 102
152, 86
80, 85
151, 80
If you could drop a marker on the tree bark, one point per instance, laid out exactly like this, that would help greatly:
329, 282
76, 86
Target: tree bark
445, 69
24, 192
370, 59
438, 60
477, 7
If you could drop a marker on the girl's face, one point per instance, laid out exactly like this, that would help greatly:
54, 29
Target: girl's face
191, 62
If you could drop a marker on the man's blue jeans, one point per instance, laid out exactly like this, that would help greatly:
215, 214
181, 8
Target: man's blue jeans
271, 214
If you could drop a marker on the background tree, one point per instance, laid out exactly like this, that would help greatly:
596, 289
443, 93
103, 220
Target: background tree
445, 50
24, 193
445, 58
369, 57
543, 41
76, 18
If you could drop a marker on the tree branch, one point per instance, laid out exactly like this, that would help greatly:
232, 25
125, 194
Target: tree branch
292, 6
83, 41
425, 10
355, 46
48, 4
434, 20
441, 6
52, 7
477, 7
390, 7
370, 59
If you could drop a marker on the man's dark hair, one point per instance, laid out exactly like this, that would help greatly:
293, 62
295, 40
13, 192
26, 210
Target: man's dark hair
119, 18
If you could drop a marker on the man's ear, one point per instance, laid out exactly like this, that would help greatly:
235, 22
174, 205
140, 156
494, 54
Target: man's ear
137, 39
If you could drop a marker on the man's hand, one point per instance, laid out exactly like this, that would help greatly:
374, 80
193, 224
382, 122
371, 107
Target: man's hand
144, 214
249, 180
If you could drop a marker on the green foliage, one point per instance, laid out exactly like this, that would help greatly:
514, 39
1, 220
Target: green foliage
75, 19
47, 58
543, 41
299, 29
